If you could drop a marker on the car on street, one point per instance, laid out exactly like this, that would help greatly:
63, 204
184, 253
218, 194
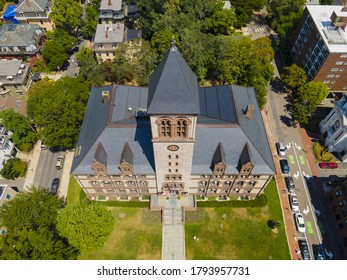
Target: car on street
281, 149
300, 223
305, 253
289, 183
294, 204
55, 185
60, 162
284, 166
328, 165
318, 252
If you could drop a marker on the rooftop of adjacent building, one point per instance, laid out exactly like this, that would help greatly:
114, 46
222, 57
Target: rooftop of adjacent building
109, 33
13, 71
114, 5
11, 102
334, 36
32, 6
18, 35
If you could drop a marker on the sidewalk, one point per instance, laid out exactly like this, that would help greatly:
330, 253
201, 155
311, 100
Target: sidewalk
33, 158
65, 177
282, 193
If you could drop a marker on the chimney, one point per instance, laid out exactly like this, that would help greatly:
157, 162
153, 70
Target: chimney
110, 2
344, 9
105, 96
249, 111
106, 33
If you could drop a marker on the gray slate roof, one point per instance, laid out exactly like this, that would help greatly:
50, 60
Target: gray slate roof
24, 6
109, 33
10, 67
116, 5
17, 35
173, 87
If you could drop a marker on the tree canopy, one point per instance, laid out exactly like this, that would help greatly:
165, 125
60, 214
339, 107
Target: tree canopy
24, 136
294, 77
85, 224
30, 222
13, 168
57, 109
307, 98
66, 14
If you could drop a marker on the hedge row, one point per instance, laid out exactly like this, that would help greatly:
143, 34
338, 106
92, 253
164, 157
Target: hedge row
261, 201
134, 204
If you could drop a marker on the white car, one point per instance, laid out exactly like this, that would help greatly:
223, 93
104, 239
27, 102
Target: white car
294, 202
300, 223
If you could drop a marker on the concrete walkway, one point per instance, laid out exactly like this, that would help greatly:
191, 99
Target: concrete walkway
65, 177
173, 238
33, 158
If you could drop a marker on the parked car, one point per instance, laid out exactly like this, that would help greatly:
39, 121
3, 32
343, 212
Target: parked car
281, 149
289, 183
294, 202
284, 166
55, 185
300, 223
305, 253
60, 162
318, 252
328, 165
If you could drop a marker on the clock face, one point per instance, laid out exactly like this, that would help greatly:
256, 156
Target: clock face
172, 148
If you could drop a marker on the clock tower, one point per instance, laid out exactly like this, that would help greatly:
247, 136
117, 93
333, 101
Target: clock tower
173, 106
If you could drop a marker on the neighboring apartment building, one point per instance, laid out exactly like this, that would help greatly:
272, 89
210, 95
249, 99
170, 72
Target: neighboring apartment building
106, 38
20, 40
7, 148
7, 193
338, 202
172, 138
111, 11
320, 45
34, 12
15, 78
333, 129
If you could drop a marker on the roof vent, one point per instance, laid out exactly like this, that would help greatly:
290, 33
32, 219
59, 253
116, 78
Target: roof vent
249, 111
140, 112
20, 72
22, 66
10, 78
105, 96
130, 109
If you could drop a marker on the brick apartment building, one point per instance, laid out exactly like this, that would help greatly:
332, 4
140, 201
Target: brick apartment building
319, 45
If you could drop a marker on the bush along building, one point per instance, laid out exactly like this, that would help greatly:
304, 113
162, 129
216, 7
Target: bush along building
172, 138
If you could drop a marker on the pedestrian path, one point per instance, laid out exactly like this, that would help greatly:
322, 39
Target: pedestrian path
65, 178
173, 238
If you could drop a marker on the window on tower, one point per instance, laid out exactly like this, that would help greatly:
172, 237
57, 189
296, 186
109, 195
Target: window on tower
165, 128
181, 128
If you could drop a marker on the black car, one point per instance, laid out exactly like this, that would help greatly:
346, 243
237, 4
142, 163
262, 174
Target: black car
55, 185
305, 253
318, 252
289, 183
284, 166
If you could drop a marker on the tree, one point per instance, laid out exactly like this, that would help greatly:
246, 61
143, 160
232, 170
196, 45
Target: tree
307, 98
294, 77
58, 110
66, 14
88, 25
24, 136
30, 222
90, 70
13, 168
244, 10
326, 2
85, 224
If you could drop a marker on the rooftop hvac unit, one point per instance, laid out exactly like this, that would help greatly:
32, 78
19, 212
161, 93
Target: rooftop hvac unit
22, 66
20, 72
10, 78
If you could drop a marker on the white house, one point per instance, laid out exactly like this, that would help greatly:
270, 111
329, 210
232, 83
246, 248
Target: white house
7, 148
334, 129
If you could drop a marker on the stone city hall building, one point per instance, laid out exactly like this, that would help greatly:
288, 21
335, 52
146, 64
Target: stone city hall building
172, 138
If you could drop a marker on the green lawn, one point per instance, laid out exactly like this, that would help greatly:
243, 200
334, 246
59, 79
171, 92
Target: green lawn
237, 233
224, 233
136, 236
74, 192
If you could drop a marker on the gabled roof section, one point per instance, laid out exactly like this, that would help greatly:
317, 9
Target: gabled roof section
245, 155
219, 155
127, 154
24, 6
100, 154
173, 87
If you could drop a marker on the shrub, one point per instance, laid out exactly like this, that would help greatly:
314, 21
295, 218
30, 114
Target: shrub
321, 153
25, 147
261, 201
14, 168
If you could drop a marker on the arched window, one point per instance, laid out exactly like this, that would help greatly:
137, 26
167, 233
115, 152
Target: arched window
165, 128
181, 128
